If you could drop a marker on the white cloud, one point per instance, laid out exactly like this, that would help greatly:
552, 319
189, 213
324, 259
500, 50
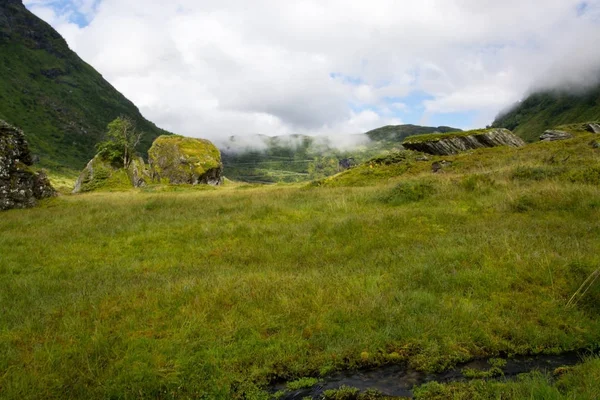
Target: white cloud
216, 68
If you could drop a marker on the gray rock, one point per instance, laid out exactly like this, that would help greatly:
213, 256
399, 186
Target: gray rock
552, 135
20, 186
449, 144
595, 144
594, 128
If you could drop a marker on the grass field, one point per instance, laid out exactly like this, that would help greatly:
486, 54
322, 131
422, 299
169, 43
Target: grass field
213, 293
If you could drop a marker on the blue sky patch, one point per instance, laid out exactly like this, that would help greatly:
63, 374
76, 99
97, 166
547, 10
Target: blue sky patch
69, 9
582, 8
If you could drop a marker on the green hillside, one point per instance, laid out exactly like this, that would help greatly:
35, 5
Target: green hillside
61, 103
298, 158
545, 110
397, 133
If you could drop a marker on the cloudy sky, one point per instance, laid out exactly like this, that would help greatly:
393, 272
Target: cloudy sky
213, 68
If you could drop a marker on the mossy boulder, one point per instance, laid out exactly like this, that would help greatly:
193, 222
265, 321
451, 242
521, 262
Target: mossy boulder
20, 185
181, 160
454, 143
100, 174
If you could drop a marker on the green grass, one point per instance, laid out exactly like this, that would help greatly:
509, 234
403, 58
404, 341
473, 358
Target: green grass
434, 137
578, 383
397, 133
153, 293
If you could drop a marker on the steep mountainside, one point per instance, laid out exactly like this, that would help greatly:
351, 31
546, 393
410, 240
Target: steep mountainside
544, 110
61, 102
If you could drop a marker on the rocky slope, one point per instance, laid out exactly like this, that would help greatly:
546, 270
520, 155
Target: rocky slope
62, 103
20, 187
447, 144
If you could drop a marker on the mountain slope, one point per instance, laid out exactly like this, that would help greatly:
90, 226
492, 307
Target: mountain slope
397, 133
547, 109
295, 158
61, 103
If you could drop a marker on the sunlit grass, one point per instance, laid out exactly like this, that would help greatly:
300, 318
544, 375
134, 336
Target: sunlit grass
175, 294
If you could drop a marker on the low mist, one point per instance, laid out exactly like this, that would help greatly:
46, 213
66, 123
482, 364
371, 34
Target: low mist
315, 144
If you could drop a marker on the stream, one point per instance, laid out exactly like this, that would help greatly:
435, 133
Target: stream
398, 380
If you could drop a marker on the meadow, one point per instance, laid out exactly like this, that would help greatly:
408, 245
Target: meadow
196, 292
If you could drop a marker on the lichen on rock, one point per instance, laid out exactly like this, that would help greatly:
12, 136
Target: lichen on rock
181, 160
454, 143
20, 186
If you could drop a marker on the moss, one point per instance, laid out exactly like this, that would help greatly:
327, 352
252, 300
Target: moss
435, 137
302, 383
182, 158
101, 176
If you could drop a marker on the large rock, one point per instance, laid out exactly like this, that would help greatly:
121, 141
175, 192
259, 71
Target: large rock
454, 143
594, 128
552, 135
179, 160
100, 174
20, 186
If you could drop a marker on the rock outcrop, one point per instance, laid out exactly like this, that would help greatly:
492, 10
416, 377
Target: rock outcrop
552, 135
594, 128
454, 143
20, 186
182, 160
100, 174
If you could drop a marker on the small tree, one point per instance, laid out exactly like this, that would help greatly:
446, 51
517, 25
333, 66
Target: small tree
121, 140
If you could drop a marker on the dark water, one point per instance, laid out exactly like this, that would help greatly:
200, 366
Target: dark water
398, 381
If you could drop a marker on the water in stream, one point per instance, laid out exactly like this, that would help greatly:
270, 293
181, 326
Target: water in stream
398, 381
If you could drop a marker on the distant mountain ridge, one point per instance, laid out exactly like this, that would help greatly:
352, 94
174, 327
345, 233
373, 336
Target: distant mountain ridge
294, 158
61, 102
397, 133
550, 108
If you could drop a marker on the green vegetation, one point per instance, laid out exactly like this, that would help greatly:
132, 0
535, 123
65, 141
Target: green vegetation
434, 137
547, 109
293, 158
299, 158
62, 104
201, 154
121, 142
105, 177
580, 382
153, 293
495, 370
397, 133
302, 383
